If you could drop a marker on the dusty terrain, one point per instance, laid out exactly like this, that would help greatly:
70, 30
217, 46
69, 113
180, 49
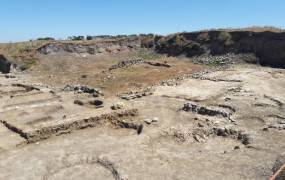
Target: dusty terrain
141, 115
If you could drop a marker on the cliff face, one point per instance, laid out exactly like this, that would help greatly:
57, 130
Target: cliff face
5, 65
269, 47
107, 46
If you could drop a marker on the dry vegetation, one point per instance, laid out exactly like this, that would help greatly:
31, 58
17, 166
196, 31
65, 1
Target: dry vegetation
23, 53
251, 28
93, 71
225, 122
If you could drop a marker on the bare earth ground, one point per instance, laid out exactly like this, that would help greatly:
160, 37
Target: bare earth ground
231, 128
63, 69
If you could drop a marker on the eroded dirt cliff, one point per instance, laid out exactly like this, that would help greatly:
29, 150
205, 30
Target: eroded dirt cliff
269, 47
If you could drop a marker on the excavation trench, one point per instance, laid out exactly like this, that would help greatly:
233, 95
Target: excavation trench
42, 133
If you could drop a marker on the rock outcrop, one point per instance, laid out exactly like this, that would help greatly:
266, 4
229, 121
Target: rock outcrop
96, 47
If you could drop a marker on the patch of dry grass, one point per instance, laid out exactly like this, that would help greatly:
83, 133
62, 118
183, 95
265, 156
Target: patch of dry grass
24, 54
21, 48
144, 75
251, 28
60, 71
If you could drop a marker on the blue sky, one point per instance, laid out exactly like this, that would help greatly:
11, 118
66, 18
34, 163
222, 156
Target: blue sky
29, 19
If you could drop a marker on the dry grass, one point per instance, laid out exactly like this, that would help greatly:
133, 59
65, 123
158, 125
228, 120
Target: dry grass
65, 70
144, 75
20, 48
251, 28
23, 53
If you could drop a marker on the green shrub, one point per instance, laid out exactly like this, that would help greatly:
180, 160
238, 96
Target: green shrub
46, 39
88, 37
203, 37
147, 42
194, 49
76, 38
225, 38
28, 63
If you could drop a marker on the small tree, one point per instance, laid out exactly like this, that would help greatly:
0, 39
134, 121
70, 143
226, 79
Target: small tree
76, 38
46, 39
88, 37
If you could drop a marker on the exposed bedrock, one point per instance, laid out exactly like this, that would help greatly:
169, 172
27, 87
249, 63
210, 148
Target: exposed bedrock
107, 46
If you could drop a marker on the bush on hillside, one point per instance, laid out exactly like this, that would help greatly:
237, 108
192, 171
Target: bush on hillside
76, 38
88, 37
225, 38
46, 39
